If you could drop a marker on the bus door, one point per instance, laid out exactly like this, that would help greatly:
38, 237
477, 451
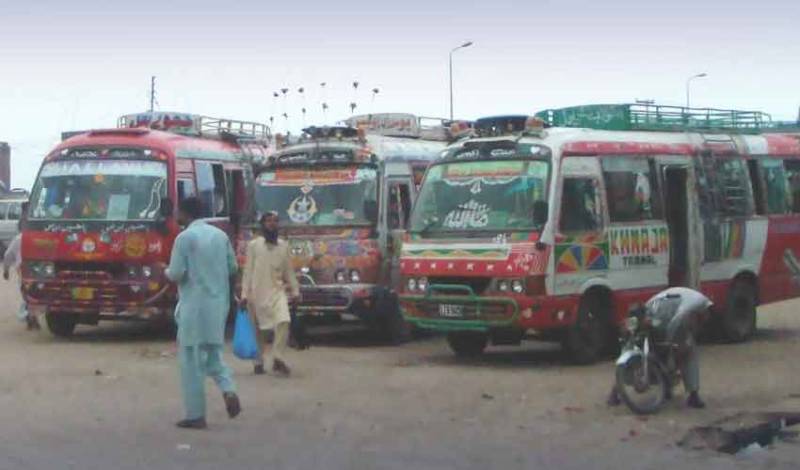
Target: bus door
580, 252
683, 221
396, 200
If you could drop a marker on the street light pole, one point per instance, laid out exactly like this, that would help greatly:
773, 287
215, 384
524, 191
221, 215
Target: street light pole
689, 82
466, 44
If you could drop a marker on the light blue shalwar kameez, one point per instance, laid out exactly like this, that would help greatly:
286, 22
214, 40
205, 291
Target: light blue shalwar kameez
201, 264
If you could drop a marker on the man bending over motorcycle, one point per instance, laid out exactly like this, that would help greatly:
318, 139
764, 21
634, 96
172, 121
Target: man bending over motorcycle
679, 312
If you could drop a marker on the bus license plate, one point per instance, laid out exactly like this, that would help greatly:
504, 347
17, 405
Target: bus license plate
451, 311
83, 293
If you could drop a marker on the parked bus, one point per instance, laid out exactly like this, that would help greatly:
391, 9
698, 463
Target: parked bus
101, 220
344, 196
558, 224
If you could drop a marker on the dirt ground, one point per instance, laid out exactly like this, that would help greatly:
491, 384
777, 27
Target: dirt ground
108, 399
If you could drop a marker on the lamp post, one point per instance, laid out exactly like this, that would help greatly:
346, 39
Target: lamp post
466, 44
689, 82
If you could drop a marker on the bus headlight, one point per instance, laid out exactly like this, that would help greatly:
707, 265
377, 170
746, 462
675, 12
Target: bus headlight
341, 276
355, 276
147, 271
411, 284
517, 287
422, 283
503, 285
48, 269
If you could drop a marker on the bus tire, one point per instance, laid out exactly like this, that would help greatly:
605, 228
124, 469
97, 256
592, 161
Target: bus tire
61, 325
589, 338
467, 344
738, 321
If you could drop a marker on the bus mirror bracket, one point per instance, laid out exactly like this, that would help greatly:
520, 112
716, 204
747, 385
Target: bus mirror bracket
540, 213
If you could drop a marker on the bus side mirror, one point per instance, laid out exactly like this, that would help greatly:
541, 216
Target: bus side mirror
371, 210
167, 208
540, 213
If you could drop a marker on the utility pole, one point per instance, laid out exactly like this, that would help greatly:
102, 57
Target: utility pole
152, 92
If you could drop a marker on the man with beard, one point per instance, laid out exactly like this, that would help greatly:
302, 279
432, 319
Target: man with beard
202, 265
268, 285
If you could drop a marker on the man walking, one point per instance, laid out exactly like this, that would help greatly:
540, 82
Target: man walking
268, 284
13, 258
203, 265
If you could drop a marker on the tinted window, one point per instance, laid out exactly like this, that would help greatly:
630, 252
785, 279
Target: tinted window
211, 189
631, 189
777, 197
732, 187
579, 209
14, 210
793, 174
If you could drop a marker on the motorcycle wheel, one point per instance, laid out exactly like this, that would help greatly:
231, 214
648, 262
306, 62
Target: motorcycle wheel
633, 387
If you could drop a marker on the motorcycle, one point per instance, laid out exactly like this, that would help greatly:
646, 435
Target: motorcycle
646, 369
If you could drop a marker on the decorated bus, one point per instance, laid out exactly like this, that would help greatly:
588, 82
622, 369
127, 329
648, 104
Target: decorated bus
101, 219
557, 224
344, 196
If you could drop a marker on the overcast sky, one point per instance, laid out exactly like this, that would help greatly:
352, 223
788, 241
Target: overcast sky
67, 65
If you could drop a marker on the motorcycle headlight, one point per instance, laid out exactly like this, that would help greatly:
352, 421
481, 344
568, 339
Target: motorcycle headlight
411, 284
341, 276
422, 283
502, 286
517, 287
632, 324
354, 276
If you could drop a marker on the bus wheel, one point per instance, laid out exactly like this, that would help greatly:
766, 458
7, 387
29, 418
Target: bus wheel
467, 343
61, 324
739, 318
588, 339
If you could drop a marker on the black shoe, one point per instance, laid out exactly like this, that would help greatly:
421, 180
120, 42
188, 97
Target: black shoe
694, 401
232, 405
280, 369
197, 423
258, 369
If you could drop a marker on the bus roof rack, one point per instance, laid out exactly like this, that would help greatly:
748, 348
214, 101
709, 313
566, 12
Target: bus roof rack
196, 125
403, 125
652, 117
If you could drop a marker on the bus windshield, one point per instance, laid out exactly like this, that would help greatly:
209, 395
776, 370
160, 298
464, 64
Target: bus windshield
114, 190
481, 195
343, 196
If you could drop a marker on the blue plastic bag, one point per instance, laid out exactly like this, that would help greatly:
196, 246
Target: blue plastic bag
244, 337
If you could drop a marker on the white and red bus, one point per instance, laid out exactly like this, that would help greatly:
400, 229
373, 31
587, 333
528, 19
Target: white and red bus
530, 227
101, 220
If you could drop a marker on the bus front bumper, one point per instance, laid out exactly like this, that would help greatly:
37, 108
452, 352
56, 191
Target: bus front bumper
459, 312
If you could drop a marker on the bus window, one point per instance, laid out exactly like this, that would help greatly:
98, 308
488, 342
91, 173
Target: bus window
14, 211
732, 187
211, 189
793, 174
631, 189
185, 189
757, 182
775, 193
580, 211
399, 205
